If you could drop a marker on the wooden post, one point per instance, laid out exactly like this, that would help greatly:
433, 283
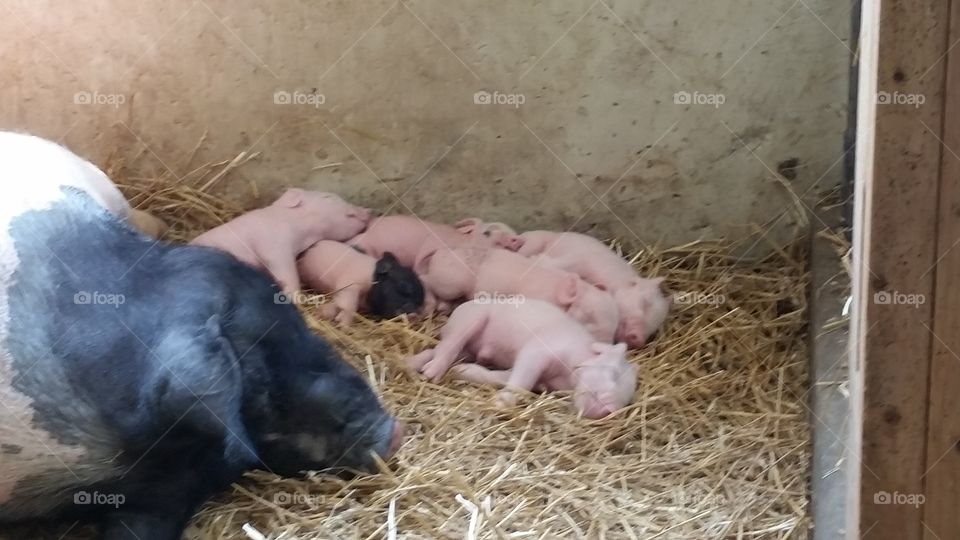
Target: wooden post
941, 509
897, 430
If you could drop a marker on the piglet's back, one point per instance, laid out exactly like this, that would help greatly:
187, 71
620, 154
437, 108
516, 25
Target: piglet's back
524, 320
329, 265
589, 258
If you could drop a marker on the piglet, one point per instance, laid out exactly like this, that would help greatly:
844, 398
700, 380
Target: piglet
527, 346
411, 238
271, 238
382, 287
453, 274
643, 306
147, 223
499, 234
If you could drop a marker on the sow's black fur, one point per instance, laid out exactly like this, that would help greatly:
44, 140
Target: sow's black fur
396, 289
195, 376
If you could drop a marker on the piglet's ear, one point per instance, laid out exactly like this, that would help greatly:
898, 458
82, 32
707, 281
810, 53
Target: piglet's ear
468, 222
600, 347
387, 264
291, 198
568, 291
422, 265
499, 226
467, 226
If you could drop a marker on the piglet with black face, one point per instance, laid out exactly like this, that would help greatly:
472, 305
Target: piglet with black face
396, 289
382, 287
138, 378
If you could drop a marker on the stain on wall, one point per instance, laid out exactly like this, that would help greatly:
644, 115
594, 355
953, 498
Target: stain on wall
655, 122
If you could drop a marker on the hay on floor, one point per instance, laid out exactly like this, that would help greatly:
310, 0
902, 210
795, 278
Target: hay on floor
716, 445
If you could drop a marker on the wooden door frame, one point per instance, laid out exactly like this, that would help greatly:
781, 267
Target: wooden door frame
904, 458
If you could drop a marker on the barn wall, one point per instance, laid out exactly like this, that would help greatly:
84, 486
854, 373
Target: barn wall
592, 137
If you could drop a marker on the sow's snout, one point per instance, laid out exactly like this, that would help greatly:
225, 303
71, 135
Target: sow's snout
396, 439
336, 422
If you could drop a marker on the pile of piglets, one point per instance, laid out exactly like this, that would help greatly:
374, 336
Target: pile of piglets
545, 310
298, 240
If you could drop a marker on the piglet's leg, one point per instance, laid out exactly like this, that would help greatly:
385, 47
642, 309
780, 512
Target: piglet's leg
282, 265
420, 359
347, 300
444, 307
429, 303
456, 335
527, 371
328, 311
476, 373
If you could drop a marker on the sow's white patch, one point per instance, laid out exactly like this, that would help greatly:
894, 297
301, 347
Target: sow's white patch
32, 171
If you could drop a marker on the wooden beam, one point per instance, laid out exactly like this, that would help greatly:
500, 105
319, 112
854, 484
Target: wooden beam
941, 507
895, 252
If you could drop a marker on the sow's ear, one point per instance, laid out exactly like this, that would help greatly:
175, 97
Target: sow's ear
198, 388
291, 198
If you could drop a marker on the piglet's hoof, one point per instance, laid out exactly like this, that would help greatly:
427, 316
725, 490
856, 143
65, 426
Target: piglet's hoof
506, 399
343, 319
433, 371
444, 308
419, 360
328, 311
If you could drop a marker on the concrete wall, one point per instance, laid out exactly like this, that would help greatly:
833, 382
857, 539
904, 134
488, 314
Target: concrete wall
598, 143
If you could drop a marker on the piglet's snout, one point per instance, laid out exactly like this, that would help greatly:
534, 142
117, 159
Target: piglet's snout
364, 214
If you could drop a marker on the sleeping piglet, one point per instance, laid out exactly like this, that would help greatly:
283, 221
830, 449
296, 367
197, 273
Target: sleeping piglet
453, 274
499, 234
411, 238
533, 345
271, 238
643, 306
383, 287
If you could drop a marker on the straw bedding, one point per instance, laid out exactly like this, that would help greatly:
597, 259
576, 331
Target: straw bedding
716, 445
